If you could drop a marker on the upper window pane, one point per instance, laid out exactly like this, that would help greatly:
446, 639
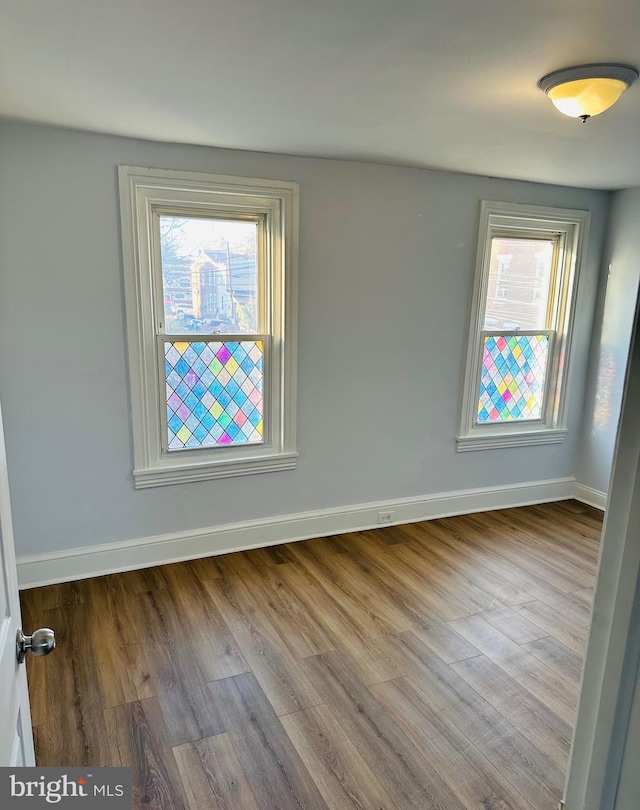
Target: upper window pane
519, 284
209, 275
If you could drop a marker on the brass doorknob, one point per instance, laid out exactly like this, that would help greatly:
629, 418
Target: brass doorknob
42, 642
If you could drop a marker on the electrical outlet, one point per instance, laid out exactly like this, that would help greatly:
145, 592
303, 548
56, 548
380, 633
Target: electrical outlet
385, 517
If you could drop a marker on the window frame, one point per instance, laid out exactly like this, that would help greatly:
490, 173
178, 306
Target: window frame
569, 228
145, 195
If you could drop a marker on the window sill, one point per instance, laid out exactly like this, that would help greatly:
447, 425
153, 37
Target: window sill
495, 441
185, 473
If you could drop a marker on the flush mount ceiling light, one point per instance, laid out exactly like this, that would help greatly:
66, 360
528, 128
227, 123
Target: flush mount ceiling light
587, 90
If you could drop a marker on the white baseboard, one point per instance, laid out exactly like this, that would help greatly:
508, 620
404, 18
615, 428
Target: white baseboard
591, 496
89, 561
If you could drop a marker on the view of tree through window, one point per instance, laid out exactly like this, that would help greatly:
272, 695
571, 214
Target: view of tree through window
209, 276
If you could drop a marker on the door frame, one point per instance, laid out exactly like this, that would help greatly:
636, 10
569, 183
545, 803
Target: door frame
613, 650
23, 748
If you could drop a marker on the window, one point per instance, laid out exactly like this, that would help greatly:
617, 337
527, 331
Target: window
519, 347
210, 286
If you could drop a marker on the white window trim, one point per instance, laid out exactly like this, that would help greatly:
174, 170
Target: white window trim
143, 193
498, 218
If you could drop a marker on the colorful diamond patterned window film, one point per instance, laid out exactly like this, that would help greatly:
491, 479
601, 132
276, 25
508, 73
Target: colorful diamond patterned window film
512, 381
214, 393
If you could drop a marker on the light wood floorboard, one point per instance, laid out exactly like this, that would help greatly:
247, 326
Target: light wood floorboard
432, 665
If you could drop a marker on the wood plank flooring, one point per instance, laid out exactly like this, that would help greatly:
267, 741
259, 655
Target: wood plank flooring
433, 665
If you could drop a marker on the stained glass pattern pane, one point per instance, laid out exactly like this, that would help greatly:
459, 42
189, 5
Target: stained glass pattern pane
215, 393
512, 381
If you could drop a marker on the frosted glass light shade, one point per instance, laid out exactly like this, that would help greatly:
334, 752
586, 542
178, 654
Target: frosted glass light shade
586, 96
587, 90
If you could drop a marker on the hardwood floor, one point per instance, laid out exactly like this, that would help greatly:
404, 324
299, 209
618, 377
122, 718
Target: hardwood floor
433, 665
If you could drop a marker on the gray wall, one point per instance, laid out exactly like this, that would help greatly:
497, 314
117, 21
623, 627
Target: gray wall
610, 345
386, 265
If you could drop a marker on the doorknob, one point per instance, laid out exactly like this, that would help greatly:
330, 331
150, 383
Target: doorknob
42, 642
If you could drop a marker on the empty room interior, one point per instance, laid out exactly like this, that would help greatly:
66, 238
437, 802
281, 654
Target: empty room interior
320, 386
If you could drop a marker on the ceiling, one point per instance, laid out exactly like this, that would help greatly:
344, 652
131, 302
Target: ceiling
448, 84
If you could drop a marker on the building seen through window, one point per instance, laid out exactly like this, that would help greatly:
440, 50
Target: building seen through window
209, 276
519, 283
